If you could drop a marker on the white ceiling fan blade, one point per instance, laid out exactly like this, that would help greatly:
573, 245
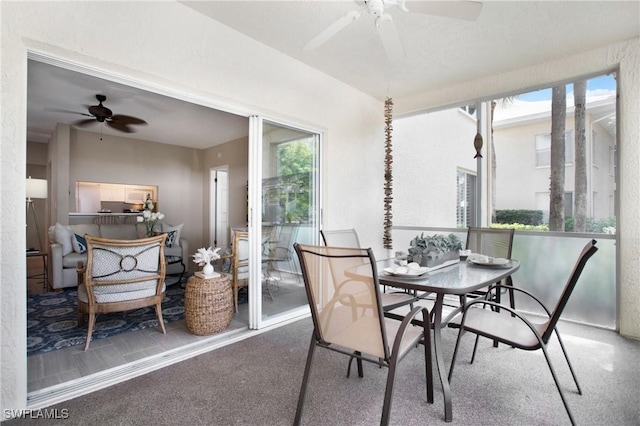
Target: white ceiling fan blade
391, 40
458, 9
332, 30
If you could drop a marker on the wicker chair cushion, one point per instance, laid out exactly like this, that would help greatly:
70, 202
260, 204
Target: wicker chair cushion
119, 293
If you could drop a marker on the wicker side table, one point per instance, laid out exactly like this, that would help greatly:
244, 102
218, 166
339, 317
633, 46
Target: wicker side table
208, 304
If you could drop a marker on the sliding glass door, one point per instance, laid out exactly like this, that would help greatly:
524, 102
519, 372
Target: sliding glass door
284, 208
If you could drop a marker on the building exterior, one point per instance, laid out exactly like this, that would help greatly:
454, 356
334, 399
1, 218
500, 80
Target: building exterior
522, 144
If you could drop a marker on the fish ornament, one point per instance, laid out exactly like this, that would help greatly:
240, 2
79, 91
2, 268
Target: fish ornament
477, 144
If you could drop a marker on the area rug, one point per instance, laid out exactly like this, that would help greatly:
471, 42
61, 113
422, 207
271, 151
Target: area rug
52, 319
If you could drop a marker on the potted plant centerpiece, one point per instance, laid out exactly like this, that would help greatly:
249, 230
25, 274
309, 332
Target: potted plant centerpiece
435, 251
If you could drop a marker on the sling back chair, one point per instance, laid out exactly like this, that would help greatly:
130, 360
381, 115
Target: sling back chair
349, 238
121, 275
240, 263
492, 242
280, 248
513, 328
344, 296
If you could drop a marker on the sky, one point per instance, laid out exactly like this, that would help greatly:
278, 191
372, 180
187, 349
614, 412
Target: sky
595, 87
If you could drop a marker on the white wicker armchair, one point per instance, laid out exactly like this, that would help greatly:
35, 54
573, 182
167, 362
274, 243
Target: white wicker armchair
121, 275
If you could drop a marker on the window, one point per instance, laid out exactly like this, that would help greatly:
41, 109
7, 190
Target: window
466, 199
543, 149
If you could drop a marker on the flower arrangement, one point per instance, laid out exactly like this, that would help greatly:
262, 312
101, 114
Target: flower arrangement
149, 218
204, 257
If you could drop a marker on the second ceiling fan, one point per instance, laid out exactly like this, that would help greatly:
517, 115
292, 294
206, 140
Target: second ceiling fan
387, 31
102, 114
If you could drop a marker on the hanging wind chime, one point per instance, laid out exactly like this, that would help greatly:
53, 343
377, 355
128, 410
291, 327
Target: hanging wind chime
388, 176
477, 141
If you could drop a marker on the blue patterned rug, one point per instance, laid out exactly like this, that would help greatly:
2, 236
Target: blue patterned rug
52, 319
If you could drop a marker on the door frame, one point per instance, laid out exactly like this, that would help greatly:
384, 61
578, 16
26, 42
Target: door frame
213, 205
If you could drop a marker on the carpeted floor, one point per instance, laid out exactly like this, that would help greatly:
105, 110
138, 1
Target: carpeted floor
52, 319
256, 382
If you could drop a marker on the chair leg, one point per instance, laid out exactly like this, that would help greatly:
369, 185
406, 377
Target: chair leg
159, 315
388, 393
566, 357
475, 347
555, 379
455, 352
92, 321
305, 379
235, 296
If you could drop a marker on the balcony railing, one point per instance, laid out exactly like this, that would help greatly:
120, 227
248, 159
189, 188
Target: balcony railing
546, 261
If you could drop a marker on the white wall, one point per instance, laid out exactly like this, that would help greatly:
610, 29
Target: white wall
179, 51
428, 150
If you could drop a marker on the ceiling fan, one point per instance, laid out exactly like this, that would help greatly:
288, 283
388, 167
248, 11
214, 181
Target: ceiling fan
102, 114
458, 9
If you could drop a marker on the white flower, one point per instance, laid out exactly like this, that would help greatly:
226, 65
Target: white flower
204, 256
150, 220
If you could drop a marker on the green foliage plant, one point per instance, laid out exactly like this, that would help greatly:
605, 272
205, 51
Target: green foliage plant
437, 244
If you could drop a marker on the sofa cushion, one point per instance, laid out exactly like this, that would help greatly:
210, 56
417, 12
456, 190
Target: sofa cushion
120, 293
171, 238
119, 232
79, 244
174, 232
63, 236
173, 251
71, 259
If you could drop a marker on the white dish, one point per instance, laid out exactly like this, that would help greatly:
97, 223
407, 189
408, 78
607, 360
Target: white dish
411, 272
496, 262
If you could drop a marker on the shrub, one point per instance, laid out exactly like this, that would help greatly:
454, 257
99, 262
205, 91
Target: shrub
525, 217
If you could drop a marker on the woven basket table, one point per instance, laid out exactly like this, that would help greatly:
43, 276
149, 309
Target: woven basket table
208, 304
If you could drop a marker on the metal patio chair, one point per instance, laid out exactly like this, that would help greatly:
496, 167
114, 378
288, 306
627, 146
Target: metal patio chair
513, 328
344, 297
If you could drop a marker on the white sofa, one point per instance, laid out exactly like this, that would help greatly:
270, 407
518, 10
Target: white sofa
65, 248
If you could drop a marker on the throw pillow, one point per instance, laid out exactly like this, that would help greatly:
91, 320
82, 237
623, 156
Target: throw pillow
79, 244
168, 228
63, 236
171, 238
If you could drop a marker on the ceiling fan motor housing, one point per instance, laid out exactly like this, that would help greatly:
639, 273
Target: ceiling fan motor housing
100, 112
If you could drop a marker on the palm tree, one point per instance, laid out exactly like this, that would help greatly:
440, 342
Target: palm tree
556, 187
580, 213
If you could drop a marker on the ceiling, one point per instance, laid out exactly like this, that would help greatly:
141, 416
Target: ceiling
440, 52
59, 95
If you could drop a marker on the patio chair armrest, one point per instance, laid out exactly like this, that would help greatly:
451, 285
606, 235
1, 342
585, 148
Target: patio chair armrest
407, 321
520, 290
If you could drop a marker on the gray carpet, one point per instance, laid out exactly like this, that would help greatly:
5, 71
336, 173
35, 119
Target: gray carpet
256, 382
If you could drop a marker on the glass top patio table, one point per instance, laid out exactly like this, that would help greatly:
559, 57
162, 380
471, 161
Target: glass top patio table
457, 279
